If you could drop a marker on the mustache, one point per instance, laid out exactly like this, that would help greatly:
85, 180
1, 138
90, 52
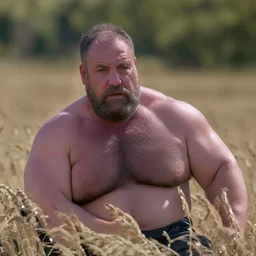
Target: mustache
112, 90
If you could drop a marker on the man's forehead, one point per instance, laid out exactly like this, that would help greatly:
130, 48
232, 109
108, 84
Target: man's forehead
107, 49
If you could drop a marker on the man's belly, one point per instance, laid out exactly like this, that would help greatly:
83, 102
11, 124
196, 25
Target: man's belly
152, 207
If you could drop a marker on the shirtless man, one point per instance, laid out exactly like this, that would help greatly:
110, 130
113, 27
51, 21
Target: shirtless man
129, 146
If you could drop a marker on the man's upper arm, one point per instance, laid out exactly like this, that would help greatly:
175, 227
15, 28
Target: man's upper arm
206, 151
47, 171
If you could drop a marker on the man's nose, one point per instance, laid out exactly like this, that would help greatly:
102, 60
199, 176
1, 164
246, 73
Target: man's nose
114, 78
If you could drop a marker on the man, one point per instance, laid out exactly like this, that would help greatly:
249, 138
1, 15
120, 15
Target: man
129, 146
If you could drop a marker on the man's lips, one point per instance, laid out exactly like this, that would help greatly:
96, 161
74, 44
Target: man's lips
117, 95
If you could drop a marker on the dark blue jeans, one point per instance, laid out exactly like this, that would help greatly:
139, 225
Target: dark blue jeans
175, 230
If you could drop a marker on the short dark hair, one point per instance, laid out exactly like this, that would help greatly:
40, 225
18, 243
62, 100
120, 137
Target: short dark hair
88, 38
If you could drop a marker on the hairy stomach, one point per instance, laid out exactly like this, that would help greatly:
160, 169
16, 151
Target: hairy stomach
152, 207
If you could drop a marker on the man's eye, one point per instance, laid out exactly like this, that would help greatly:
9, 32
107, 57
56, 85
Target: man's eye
101, 70
124, 67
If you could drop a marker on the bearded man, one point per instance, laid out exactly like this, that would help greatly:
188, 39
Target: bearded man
129, 146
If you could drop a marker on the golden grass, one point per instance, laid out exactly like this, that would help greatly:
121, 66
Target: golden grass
33, 95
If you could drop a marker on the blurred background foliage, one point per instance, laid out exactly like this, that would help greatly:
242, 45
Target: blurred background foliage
184, 33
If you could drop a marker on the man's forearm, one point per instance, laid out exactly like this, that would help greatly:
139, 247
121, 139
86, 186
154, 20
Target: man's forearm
230, 176
89, 220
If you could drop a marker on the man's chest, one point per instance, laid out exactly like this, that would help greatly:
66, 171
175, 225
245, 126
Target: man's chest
147, 153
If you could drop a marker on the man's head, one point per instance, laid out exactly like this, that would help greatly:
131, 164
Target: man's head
109, 73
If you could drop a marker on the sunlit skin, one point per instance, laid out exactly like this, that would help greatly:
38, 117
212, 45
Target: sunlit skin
135, 163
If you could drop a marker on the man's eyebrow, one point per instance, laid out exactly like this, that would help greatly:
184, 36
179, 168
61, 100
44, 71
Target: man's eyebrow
124, 62
101, 66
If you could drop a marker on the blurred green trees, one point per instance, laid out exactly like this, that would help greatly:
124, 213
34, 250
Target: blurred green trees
206, 33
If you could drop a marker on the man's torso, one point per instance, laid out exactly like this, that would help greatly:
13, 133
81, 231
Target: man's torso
135, 166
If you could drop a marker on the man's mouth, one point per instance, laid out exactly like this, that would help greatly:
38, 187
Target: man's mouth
116, 96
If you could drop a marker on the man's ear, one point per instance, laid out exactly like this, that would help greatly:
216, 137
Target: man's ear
135, 61
83, 74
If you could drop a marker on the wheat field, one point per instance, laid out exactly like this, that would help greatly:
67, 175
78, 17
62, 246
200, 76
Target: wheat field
32, 92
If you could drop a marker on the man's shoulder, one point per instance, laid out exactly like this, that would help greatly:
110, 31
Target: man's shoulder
190, 119
182, 108
56, 128
175, 110
62, 122
149, 95
155, 99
